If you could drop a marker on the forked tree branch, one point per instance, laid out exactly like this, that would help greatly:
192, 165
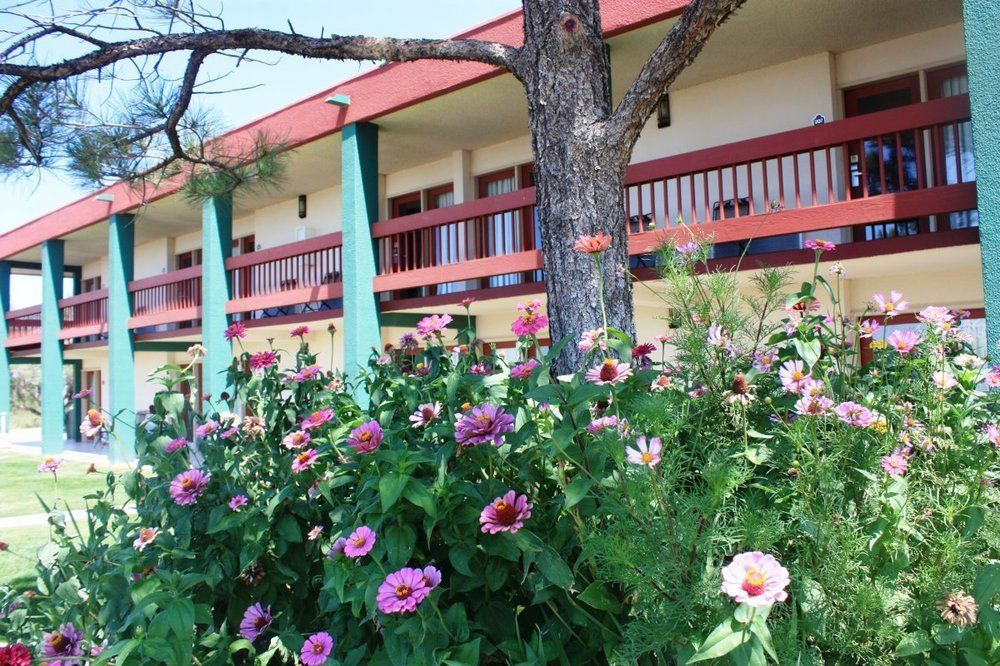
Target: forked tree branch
678, 49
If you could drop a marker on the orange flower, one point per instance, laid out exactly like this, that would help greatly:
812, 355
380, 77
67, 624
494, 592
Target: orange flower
593, 244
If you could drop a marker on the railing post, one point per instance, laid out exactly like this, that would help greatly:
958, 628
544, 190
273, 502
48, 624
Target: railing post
4, 353
121, 343
216, 247
982, 21
359, 180
53, 377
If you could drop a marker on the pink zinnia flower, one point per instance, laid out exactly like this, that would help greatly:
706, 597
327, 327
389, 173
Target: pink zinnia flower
360, 543
854, 414
304, 460
661, 383
943, 380
793, 376
366, 437
432, 578
895, 463
50, 465
402, 591
903, 341
505, 514
262, 360
60, 646
483, 423
236, 330
891, 306
337, 548
811, 405
314, 533
588, 339
992, 434
529, 320
869, 328
820, 245
145, 537
524, 370
238, 502
228, 434
599, 424
92, 424
255, 622
85, 393
645, 454
188, 486
207, 428
316, 649
299, 331
308, 373
425, 414
296, 440
993, 377
755, 579
318, 418
176, 445
433, 325
592, 245
698, 391
609, 373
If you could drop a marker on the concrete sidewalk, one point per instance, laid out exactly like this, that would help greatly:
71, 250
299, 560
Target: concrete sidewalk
27, 441
30, 520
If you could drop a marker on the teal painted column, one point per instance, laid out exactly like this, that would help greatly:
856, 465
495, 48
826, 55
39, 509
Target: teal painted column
216, 247
121, 343
359, 180
53, 379
5, 414
982, 25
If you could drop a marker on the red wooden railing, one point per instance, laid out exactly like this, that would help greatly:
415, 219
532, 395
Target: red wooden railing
309, 271
24, 326
84, 315
170, 298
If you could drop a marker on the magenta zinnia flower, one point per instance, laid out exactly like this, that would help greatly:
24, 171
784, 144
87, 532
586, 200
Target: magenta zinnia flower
235, 330
316, 649
820, 245
60, 646
50, 465
432, 578
304, 460
308, 373
433, 325
755, 579
903, 341
366, 437
645, 454
299, 331
523, 370
609, 373
176, 445
360, 543
529, 320
601, 423
483, 423
262, 360
206, 429
238, 502
895, 463
402, 591
188, 486
296, 440
318, 418
337, 547
425, 413
854, 414
255, 622
145, 537
505, 514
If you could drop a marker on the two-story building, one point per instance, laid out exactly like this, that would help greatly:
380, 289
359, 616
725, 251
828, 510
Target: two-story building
409, 188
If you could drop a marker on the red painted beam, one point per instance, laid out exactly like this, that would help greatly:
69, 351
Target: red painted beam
467, 270
23, 312
325, 292
82, 331
286, 251
165, 278
86, 297
459, 212
24, 340
168, 317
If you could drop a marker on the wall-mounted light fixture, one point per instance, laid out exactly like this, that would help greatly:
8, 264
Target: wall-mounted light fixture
302, 206
663, 111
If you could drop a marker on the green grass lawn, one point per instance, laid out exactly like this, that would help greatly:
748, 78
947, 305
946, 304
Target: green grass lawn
17, 565
20, 480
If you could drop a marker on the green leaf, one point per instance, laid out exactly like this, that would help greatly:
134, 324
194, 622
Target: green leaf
554, 568
598, 596
808, 351
974, 517
465, 655
418, 494
288, 529
577, 490
399, 542
987, 585
390, 487
459, 555
913, 644
946, 634
725, 638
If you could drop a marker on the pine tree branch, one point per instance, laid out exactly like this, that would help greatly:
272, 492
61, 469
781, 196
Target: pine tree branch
678, 49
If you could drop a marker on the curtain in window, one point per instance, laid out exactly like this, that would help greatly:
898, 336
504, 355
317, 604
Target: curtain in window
503, 231
449, 242
958, 154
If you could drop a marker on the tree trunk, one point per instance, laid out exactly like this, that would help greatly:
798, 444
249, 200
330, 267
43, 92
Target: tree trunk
579, 170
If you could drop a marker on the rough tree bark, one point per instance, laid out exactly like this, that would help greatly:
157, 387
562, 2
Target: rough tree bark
581, 145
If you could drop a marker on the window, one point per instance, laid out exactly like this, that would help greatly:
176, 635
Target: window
406, 204
955, 145
188, 259
974, 324
90, 284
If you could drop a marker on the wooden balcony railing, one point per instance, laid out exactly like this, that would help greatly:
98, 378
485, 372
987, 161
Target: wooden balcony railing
84, 315
306, 272
173, 297
24, 326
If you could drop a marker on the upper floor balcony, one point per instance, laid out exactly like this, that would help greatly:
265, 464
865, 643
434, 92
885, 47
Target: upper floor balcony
882, 182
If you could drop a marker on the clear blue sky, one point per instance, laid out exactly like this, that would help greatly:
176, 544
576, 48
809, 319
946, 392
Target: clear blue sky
288, 80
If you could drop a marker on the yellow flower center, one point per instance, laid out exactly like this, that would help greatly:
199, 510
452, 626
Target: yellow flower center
647, 457
753, 581
403, 591
358, 541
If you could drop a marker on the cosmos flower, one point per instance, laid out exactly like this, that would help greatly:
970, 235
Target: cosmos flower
869, 328
366, 437
483, 423
645, 454
903, 341
588, 339
891, 306
425, 414
505, 514
939, 319
764, 361
314, 533
810, 405
793, 376
755, 579
943, 380
255, 622
188, 486
337, 547
854, 414
895, 463
688, 249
